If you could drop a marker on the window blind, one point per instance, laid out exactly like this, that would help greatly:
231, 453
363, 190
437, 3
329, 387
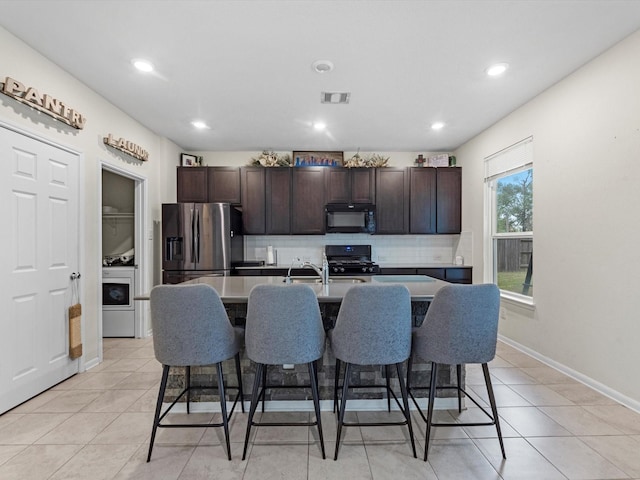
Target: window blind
510, 159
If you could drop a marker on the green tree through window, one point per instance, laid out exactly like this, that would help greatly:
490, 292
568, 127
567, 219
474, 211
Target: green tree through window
514, 203
513, 232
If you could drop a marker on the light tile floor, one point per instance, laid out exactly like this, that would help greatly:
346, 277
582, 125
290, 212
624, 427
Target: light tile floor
96, 425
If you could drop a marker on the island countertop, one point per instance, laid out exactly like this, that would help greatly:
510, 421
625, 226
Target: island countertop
236, 289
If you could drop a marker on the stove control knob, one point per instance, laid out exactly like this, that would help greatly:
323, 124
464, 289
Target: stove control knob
371, 269
341, 269
364, 269
335, 269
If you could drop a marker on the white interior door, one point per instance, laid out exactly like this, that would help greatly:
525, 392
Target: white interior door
39, 204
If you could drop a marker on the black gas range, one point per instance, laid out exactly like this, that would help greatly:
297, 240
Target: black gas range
350, 260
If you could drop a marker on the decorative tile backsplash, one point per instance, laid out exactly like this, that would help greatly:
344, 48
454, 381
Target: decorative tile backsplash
386, 249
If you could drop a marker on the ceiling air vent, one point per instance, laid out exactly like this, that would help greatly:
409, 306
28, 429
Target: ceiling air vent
335, 97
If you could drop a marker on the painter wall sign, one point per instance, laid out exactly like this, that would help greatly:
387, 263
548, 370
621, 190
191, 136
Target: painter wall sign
44, 103
127, 147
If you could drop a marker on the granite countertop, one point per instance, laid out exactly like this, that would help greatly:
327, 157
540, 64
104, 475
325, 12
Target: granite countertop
421, 265
236, 289
382, 265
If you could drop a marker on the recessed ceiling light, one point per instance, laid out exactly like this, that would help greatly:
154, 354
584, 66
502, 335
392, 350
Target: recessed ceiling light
322, 66
497, 69
142, 65
437, 126
319, 126
199, 124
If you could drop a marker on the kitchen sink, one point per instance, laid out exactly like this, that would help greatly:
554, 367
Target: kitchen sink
315, 280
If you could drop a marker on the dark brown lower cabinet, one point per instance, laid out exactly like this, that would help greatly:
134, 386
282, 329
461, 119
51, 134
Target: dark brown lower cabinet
449, 274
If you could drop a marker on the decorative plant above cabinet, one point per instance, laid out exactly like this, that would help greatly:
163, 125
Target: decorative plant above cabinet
271, 159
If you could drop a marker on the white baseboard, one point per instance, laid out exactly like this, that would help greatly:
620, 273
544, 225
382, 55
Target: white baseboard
94, 362
588, 381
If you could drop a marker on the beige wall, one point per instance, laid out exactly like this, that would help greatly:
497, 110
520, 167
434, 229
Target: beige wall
22, 63
586, 138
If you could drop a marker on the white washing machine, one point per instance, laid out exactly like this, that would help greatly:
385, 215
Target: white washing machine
118, 306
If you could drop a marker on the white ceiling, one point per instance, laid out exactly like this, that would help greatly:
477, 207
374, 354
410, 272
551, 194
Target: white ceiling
244, 67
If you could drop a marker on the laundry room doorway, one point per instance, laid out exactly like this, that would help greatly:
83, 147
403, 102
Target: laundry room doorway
123, 261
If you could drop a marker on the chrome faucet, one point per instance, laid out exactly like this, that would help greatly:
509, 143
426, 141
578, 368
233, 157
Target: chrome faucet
288, 277
323, 272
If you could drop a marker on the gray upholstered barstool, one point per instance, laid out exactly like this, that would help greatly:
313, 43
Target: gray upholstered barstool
460, 327
191, 328
283, 326
373, 328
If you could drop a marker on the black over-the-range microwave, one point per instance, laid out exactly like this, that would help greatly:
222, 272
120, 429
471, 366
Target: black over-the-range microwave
347, 218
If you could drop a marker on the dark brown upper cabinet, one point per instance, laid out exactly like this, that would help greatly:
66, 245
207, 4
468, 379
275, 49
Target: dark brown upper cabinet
392, 200
192, 184
209, 184
266, 200
308, 200
253, 200
422, 200
449, 200
224, 185
278, 201
351, 185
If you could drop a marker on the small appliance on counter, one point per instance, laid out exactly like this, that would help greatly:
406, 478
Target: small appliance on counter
350, 260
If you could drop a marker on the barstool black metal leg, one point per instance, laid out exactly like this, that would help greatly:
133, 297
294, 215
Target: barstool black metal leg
405, 402
494, 409
254, 405
387, 373
432, 399
335, 385
343, 404
409, 368
264, 385
459, 379
223, 408
187, 383
316, 403
156, 418
239, 377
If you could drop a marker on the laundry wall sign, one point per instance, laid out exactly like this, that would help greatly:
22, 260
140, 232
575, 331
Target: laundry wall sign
127, 147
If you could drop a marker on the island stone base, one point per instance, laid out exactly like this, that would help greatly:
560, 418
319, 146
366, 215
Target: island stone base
287, 379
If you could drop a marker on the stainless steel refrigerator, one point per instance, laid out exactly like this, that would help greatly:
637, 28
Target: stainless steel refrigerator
200, 239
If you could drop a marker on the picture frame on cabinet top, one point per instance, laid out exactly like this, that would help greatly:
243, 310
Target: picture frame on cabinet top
318, 159
187, 160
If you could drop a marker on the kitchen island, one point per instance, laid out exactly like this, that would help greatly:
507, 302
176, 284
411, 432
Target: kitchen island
235, 289
234, 292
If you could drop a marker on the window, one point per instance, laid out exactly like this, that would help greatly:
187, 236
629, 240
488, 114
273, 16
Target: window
509, 215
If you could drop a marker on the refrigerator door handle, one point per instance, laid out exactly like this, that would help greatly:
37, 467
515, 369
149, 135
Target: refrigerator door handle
197, 237
193, 237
